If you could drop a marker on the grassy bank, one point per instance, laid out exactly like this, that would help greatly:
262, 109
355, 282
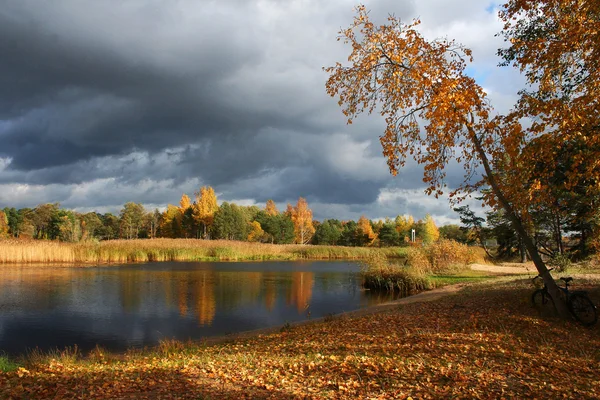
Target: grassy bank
425, 268
144, 250
485, 342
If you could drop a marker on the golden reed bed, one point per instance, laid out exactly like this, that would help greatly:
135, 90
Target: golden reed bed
144, 250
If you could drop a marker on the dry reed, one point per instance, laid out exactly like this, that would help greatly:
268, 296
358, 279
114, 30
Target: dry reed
146, 250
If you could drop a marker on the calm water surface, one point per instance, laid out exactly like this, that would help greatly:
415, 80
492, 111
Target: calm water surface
118, 307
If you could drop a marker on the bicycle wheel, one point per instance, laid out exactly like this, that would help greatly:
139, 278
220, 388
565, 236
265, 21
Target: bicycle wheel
543, 303
583, 309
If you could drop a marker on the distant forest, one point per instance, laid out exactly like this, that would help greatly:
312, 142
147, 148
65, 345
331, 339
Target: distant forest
203, 218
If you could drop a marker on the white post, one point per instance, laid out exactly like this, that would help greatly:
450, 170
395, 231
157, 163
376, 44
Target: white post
413, 235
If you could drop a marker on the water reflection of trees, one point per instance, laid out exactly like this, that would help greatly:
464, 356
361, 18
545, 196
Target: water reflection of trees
300, 291
194, 293
205, 298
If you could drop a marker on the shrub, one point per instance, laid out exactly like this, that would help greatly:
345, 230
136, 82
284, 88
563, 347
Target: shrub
379, 274
442, 257
560, 262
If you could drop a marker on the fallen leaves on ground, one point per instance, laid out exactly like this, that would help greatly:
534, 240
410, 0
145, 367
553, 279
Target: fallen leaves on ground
484, 342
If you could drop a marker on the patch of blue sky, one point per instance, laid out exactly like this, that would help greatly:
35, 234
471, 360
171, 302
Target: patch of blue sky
479, 74
491, 7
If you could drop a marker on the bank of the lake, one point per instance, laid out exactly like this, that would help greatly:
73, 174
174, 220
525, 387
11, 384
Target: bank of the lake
149, 250
485, 341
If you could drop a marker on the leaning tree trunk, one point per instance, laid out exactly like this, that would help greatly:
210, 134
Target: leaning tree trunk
559, 243
559, 303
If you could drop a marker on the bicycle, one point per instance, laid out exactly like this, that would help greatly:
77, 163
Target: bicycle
579, 304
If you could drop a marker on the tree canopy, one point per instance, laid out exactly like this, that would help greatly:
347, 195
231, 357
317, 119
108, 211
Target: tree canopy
435, 112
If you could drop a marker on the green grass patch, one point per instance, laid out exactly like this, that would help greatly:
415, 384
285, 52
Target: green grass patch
7, 365
466, 276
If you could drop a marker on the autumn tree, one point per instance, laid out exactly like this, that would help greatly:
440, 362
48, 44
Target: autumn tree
3, 225
271, 208
184, 203
301, 216
205, 208
404, 226
66, 226
186, 220
170, 225
430, 232
257, 234
365, 233
435, 112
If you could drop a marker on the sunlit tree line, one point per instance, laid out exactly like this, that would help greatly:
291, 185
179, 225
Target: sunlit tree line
203, 218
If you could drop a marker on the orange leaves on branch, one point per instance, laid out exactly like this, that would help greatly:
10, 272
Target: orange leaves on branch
396, 72
557, 45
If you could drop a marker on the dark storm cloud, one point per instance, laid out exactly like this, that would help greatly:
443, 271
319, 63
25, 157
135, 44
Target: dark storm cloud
107, 102
71, 97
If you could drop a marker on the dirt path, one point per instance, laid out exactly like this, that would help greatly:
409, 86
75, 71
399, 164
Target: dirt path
508, 269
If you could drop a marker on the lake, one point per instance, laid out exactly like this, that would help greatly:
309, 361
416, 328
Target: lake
136, 305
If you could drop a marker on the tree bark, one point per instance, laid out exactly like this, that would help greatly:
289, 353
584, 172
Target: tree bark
522, 250
555, 293
559, 242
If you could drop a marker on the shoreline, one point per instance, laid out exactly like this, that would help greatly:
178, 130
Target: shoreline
421, 297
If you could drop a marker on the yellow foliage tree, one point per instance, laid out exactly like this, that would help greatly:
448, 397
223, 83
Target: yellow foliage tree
256, 232
301, 216
170, 224
184, 203
271, 208
365, 231
431, 232
404, 225
205, 208
3, 225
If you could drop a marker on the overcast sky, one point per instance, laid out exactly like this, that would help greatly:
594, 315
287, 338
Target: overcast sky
104, 102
